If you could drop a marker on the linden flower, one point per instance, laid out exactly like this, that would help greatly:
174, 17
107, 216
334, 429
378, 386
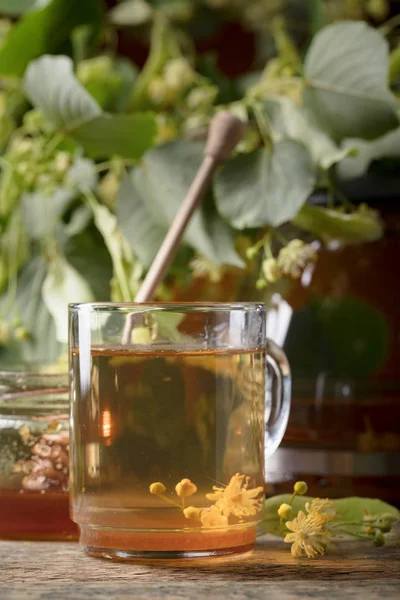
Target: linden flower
322, 508
185, 488
212, 517
235, 499
271, 270
309, 535
294, 257
202, 267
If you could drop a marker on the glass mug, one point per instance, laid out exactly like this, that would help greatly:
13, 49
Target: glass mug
172, 416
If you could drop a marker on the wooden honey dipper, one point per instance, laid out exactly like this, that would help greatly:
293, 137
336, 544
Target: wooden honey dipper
225, 132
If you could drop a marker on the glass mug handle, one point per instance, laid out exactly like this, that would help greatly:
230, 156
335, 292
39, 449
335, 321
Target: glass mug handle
277, 396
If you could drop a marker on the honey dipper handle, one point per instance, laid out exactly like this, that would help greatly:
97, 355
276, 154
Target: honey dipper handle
225, 132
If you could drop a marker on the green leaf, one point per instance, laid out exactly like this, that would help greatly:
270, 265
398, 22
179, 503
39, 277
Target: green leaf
16, 7
137, 223
131, 12
42, 213
330, 224
52, 87
151, 196
45, 30
317, 15
33, 314
128, 73
128, 136
349, 510
87, 253
357, 335
126, 270
362, 154
62, 286
290, 121
346, 69
221, 235
264, 188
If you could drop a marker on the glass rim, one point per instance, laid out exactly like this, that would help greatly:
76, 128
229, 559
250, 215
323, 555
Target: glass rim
169, 306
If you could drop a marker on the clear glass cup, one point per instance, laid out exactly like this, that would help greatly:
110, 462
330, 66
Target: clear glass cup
34, 469
172, 416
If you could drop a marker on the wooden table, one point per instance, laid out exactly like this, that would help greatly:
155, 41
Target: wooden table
58, 571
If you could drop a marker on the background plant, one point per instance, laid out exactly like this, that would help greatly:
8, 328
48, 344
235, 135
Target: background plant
97, 153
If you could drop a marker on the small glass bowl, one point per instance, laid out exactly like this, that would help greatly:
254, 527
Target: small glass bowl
34, 448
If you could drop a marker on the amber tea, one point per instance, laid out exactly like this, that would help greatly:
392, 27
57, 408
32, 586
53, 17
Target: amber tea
169, 440
169, 426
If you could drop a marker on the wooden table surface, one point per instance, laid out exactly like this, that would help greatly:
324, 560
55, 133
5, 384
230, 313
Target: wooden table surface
58, 571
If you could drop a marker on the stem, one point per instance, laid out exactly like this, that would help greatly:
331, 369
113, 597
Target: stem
389, 25
162, 497
107, 164
354, 534
394, 65
53, 143
118, 268
267, 246
163, 46
262, 125
284, 241
338, 524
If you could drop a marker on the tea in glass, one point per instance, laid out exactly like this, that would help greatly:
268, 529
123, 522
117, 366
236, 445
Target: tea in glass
167, 438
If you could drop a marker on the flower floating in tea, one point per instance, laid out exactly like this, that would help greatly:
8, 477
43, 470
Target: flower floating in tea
212, 517
234, 499
185, 488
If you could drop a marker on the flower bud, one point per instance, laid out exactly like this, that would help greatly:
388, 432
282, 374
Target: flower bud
22, 334
178, 73
141, 335
379, 539
261, 284
191, 512
300, 488
185, 488
159, 91
157, 489
202, 97
284, 510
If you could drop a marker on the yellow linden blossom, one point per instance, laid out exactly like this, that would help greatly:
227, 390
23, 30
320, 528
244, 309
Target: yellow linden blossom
323, 508
310, 534
235, 499
212, 517
294, 257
